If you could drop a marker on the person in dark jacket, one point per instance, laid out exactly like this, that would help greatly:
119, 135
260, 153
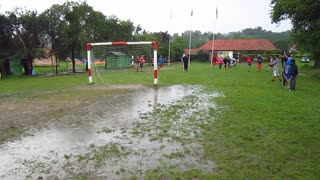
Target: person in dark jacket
284, 59
294, 74
259, 66
185, 61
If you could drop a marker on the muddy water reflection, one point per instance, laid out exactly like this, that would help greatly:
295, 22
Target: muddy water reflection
117, 137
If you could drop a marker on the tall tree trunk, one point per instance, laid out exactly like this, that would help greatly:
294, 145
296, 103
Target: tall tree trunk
52, 65
5, 70
317, 63
73, 58
27, 65
57, 62
317, 59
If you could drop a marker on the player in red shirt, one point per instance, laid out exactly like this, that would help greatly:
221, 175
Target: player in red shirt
141, 62
249, 62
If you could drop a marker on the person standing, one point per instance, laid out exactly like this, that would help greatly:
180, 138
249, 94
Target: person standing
288, 72
132, 62
225, 61
294, 75
275, 68
283, 62
220, 61
287, 69
185, 61
259, 63
161, 61
141, 62
249, 62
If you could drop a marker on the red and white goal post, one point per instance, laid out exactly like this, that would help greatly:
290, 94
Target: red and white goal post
118, 55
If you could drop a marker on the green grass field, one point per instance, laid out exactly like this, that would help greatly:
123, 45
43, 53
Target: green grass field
263, 131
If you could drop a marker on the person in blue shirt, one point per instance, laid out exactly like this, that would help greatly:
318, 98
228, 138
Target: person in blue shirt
287, 70
294, 74
161, 61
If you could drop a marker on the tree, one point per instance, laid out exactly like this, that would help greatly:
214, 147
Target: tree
26, 37
6, 44
178, 46
50, 21
305, 19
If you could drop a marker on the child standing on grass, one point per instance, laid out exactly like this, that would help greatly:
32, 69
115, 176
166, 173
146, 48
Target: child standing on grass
225, 61
161, 61
259, 63
249, 62
132, 62
141, 62
220, 61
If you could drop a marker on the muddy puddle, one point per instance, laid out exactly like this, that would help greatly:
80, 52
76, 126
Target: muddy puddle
121, 137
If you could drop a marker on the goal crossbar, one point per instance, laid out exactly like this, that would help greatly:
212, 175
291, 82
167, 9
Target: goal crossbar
154, 46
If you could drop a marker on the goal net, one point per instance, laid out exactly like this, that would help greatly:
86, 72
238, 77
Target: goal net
116, 56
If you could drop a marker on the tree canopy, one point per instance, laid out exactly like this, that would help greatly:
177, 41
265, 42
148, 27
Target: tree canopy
65, 28
305, 19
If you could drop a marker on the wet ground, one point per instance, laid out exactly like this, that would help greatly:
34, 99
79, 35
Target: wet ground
118, 137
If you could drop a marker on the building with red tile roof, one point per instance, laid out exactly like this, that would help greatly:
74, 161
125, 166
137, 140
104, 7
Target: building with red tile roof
239, 45
235, 45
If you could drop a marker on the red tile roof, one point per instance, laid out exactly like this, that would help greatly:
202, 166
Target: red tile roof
239, 45
192, 51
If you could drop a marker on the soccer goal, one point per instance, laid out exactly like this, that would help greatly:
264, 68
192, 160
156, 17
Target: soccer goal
114, 56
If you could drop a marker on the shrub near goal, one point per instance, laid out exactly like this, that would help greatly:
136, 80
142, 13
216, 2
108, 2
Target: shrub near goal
110, 56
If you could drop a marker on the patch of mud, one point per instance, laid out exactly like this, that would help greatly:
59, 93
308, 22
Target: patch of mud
118, 137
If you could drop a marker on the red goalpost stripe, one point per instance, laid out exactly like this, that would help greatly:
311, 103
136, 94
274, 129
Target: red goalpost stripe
155, 74
119, 43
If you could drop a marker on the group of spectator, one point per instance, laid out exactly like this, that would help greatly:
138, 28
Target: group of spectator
138, 62
288, 65
289, 69
224, 61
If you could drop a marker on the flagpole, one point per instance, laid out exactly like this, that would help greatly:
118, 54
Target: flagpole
213, 33
189, 47
169, 50
212, 45
190, 37
169, 54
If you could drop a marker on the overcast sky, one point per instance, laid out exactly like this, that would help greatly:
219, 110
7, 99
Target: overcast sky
175, 15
